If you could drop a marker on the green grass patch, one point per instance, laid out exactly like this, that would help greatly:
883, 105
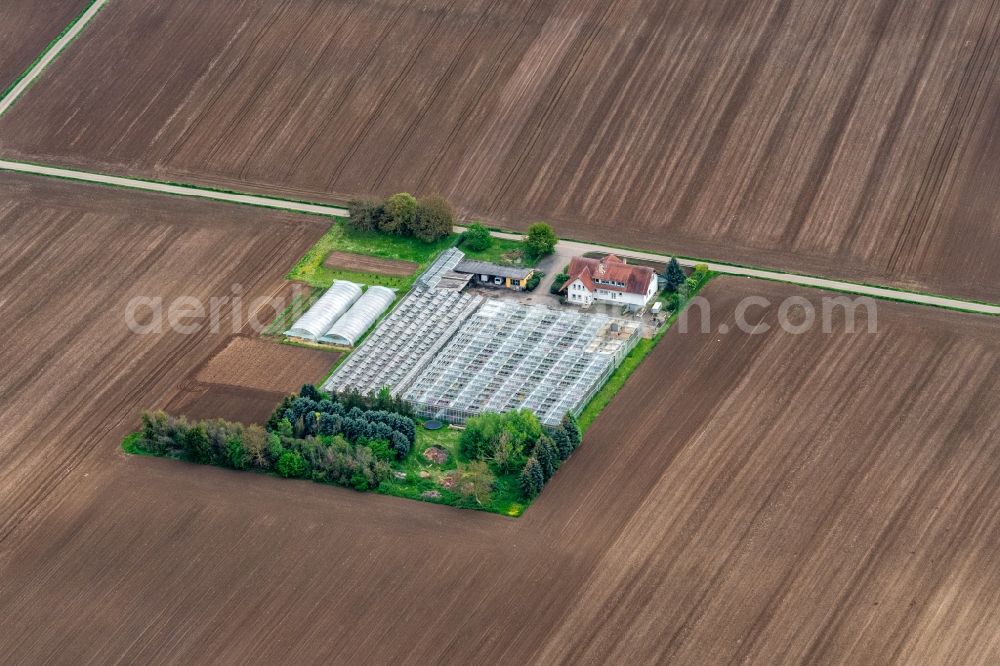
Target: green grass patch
342, 238
502, 251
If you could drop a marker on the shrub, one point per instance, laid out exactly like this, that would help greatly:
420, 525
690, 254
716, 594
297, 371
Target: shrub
381, 449
699, 276
558, 283
366, 215
477, 238
534, 281
541, 240
291, 465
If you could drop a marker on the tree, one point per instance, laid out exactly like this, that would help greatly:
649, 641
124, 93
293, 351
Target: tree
311, 392
572, 429
255, 443
547, 456
366, 215
482, 434
476, 481
541, 240
477, 238
400, 211
502, 453
563, 443
197, 445
236, 454
433, 219
400, 444
291, 465
674, 276
532, 479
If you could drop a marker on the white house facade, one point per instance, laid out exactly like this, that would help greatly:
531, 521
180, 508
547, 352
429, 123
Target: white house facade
610, 280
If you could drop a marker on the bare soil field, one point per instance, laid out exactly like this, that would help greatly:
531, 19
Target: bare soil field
27, 27
349, 261
199, 401
853, 139
75, 374
823, 498
815, 498
250, 362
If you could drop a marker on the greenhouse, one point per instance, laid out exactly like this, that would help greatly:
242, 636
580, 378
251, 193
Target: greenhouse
509, 356
445, 263
404, 342
325, 311
348, 329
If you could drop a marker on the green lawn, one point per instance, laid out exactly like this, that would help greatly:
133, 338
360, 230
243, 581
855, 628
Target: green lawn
503, 251
342, 238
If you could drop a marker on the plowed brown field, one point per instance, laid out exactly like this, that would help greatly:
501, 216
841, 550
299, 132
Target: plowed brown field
26, 27
250, 362
365, 264
71, 258
855, 139
773, 498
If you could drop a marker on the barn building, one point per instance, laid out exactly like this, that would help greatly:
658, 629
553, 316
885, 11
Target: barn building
495, 275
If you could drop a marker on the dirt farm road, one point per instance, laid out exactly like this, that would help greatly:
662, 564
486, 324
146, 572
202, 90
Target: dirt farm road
574, 247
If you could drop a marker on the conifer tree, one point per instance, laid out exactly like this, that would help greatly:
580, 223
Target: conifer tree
674, 276
572, 429
562, 441
532, 479
548, 456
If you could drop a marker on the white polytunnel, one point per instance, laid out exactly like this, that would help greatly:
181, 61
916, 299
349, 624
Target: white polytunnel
324, 312
348, 329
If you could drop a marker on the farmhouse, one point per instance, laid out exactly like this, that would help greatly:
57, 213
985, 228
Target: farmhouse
495, 275
609, 280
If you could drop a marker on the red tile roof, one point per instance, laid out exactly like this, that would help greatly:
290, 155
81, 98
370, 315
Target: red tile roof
614, 269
